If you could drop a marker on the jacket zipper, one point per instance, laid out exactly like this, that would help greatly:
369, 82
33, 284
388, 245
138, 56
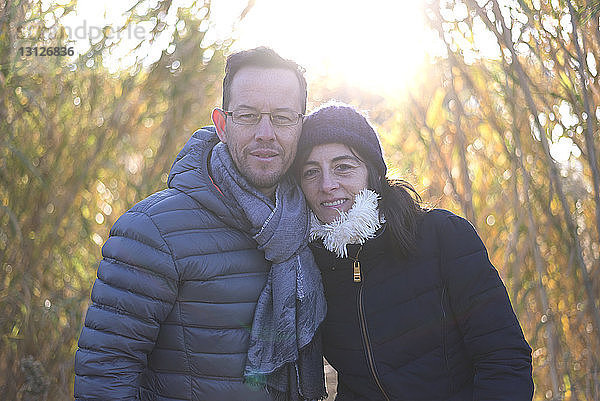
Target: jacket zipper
444, 340
356, 274
365, 334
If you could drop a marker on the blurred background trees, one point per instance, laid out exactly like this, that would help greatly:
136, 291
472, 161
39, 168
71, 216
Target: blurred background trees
79, 146
508, 140
514, 142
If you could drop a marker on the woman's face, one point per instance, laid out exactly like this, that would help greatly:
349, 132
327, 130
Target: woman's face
330, 178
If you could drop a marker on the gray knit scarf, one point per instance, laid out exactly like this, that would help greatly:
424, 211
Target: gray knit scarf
285, 346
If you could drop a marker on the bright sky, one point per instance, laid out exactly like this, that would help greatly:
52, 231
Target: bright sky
377, 44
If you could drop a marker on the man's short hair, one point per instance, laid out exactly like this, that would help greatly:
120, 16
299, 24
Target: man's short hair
263, 57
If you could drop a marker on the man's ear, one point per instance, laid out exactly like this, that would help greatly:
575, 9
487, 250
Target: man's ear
219, 118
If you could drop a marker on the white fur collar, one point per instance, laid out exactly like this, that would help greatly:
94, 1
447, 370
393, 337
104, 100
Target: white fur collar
354, 227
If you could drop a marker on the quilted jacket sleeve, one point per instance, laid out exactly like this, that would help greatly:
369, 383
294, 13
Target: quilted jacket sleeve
482, 309
134, 292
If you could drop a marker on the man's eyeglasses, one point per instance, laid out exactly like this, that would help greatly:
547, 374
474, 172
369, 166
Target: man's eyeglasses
279, 118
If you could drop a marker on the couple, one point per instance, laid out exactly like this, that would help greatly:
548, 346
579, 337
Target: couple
280, 240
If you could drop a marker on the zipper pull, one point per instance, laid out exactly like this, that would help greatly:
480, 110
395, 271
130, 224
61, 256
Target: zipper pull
357, 277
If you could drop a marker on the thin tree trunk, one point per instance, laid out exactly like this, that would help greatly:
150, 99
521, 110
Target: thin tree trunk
540, 268
590, 123
467, 197
435, 146
462, 150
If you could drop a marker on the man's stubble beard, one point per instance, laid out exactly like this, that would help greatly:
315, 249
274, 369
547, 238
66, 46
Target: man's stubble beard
253, 175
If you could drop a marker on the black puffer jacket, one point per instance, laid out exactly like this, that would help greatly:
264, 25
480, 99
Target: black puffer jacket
438, 326
175, 296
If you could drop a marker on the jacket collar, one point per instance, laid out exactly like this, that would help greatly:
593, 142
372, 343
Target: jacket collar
190, 174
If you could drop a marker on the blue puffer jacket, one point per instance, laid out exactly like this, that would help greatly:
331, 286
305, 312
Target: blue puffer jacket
437, 326
175, 296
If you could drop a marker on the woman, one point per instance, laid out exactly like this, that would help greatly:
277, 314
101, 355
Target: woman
416, 311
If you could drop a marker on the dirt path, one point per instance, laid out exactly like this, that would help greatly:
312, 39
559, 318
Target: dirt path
330, 381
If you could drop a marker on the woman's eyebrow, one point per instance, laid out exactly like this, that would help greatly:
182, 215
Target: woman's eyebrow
345, 157
311, 162
335, 159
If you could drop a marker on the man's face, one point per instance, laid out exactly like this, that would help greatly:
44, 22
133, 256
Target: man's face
262, 152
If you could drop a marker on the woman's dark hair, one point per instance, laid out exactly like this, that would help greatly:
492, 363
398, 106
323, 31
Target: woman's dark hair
401, 206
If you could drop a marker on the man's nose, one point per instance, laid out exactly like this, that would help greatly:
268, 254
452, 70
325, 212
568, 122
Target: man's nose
264, 129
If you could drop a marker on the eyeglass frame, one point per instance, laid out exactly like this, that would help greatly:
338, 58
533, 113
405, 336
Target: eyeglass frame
261, 113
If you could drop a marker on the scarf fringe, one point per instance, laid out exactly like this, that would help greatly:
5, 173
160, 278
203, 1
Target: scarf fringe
301, 376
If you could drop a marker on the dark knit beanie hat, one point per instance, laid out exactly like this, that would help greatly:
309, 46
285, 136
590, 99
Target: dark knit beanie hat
340, 123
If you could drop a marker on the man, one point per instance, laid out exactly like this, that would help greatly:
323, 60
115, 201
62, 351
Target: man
208, 287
